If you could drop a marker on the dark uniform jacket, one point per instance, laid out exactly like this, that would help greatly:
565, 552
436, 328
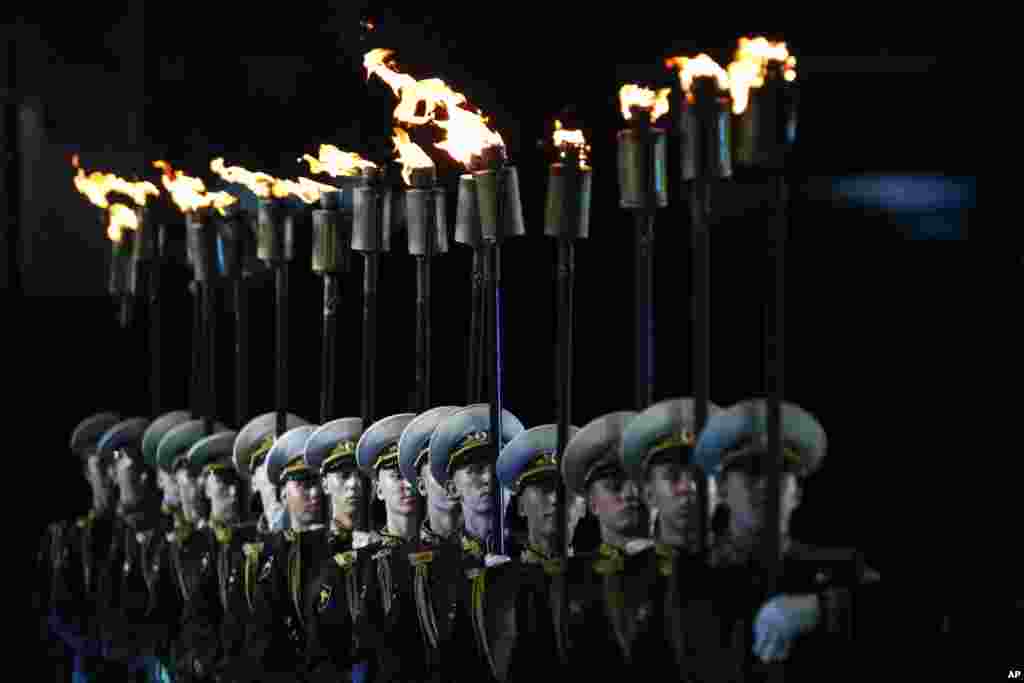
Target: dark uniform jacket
849, 612
140, 605
276, 634
219, 608
334, 595
613, 613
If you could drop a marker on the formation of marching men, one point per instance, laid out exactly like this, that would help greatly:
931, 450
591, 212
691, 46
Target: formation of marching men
170, 575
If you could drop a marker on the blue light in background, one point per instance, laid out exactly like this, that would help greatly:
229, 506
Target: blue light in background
931, 207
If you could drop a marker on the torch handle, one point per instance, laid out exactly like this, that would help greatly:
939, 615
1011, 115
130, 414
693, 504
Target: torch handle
281, 274
771, 557
210, 315
155, 323
477, 327
427, 325
699, 193
327, 355
644, 324
566, 249
197, 354
241, 351
421, 336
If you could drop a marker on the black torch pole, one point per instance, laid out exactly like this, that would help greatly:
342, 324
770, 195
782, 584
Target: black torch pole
281, 281
211, 353
642, 188
425, 219
275, 247
473, 377
331, 245
197, 354
423, 263
156, 318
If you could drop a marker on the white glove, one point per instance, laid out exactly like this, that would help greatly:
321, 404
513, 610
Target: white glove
361, 539
638, 545
780, 621
492, 560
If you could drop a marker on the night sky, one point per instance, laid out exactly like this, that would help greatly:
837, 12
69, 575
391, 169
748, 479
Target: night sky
871, 272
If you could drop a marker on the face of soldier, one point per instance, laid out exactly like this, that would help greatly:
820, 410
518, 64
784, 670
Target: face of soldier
473, 483
189, 490
437, 496
343, 486
132, 480
537, 503
302, 498
671, 488
616, 503
746, 494
223, 492
397, 494
100, 482
169, 487
273, 508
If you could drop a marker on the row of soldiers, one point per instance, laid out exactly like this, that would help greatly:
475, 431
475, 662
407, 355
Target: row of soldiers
165, 579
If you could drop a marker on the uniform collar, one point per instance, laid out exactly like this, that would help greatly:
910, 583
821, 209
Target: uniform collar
428, 535
221, 531
477, 547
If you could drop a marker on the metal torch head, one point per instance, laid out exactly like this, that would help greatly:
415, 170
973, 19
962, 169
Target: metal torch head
144, 243
567, 213
120, 261
275, 234
202, 238
488, 185
371, 224
467, 214
642, 168
332, 239
766, 130
234, 239
426, 217
705, 127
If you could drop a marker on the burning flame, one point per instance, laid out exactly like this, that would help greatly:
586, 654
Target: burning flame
410, 155
121, 217
750, 65
332, 160
635, 96
96, 186
571, 138
190, 193
698, 67
266, 186
466, 132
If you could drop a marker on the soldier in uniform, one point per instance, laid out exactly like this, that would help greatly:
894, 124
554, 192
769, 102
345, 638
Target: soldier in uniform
657, 451
276, 637
214, 623
478, 596
331, 451
808, 619
251, 448
610, 603
387, 627
166, 483
528, 468
142, 602
68, 560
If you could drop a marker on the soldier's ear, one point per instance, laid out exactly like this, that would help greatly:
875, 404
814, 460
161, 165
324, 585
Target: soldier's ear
421, 486
451, 490
648, 493
379, 488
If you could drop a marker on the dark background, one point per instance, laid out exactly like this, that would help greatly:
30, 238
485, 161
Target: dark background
874, 280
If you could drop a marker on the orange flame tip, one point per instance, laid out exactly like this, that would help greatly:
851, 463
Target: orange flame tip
336, 162
691, 68
632, 95
189, 194
749, 67
410, 155
121, 218
96, 186
466, 132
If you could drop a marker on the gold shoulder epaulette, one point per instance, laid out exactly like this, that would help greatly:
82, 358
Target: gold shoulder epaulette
345, 559
253, 550
416, 559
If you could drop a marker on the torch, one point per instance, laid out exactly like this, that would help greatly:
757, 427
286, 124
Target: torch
371, 235
468, 232
428, 235
642, 187
332, 245
275, 240
481, 150
764, 106
145, 256
704, 126
566, 218
236, 241
97, 187
190, 196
